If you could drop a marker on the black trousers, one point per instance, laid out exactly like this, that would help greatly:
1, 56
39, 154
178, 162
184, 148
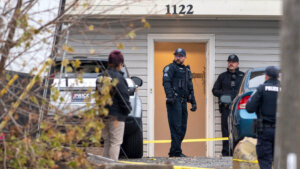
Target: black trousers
224, 125
177, 117
265, 148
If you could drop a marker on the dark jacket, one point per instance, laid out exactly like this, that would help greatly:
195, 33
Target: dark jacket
264, 101
228, 83
177, 80
121, 106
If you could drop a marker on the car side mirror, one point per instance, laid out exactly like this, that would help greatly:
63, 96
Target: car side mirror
225, 99
138, 81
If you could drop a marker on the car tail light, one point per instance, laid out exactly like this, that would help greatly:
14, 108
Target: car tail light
243, 102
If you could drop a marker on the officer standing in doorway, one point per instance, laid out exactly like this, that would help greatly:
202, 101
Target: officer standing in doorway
264, 102
228, 83
177, 82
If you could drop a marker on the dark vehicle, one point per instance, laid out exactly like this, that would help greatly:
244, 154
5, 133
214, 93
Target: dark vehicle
241, 123
75, 95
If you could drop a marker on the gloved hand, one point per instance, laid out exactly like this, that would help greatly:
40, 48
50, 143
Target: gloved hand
194, 107
170, 100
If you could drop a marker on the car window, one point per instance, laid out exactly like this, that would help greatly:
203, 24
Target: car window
86, 67
243, 83
256, 78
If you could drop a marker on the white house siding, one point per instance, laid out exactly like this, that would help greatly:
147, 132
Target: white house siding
256, 42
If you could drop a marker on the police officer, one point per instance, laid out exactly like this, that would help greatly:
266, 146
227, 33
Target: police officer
227, 83
177, 82
264, 103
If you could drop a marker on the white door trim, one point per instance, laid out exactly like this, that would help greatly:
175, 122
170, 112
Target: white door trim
209, 39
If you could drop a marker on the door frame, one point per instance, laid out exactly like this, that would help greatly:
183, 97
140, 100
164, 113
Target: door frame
209, 39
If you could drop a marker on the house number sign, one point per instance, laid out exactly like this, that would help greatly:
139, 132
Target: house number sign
180, 9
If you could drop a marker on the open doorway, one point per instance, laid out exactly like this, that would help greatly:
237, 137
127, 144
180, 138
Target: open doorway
196, 58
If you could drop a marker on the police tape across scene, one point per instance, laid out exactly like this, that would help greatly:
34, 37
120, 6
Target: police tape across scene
187, 140
174, 167
245, 161
186, 167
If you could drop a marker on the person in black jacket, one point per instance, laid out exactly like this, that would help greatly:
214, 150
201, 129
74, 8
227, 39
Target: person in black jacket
264, 102
114, 123
228, 83
177, 82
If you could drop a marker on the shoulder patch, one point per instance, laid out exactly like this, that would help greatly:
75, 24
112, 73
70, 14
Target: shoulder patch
272, 88
166, 69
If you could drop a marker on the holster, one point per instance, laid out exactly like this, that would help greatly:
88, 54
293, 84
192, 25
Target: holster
258, 126
227, 106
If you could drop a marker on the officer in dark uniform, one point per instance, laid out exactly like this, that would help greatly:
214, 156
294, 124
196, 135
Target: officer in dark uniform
177, 82
264, 103
228, 83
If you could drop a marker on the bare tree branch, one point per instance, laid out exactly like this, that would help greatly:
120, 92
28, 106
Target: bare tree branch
29, 6
9, 43
12, 25
45, 25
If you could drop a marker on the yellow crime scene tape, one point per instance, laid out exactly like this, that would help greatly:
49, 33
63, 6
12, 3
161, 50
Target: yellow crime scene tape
132, 162
184, 141
187, 167
187, 140
174, 167
245, 161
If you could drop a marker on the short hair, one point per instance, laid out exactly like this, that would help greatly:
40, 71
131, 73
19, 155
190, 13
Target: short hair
115, 58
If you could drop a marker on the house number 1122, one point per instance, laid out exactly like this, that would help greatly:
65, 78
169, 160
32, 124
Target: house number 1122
181, 9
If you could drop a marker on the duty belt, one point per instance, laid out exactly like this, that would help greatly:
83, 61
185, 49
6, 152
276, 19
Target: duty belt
269, 125
182, 98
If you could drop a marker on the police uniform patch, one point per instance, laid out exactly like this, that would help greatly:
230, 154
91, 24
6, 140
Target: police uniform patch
272, 88
166, 74
166, 69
